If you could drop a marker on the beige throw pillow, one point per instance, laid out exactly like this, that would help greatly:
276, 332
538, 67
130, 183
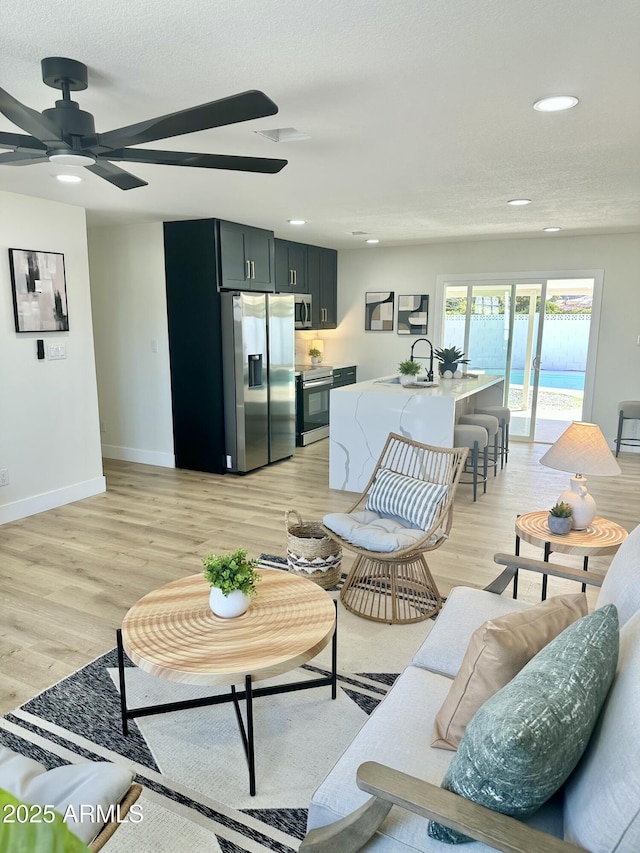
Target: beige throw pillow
496, 653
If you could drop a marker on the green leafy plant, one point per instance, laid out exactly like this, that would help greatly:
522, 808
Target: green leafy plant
314, 353
46, 834
450, 355
231, 571
561, 510
409, 368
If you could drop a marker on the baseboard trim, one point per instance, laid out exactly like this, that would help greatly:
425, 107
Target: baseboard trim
135, 454
51, 500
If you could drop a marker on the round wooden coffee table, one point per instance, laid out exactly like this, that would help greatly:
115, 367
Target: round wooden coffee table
172, 633
599, 538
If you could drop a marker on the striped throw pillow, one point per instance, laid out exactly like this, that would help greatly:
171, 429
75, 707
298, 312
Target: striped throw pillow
407, 498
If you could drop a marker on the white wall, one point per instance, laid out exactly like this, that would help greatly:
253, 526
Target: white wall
414, 270
128, 293
131, 341
49, 434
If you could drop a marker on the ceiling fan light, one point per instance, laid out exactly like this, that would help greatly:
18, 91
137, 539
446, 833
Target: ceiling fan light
556, 104
68, 158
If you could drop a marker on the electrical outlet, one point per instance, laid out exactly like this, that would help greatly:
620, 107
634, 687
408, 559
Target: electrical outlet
4, 476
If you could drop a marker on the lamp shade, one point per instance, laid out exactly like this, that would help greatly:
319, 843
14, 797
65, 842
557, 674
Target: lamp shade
583, 449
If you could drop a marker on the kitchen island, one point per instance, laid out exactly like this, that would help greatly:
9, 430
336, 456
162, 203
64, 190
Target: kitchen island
362, 416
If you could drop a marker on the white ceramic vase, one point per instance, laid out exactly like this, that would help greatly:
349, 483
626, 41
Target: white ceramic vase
583, 506
228, 606
315, 360
406, 379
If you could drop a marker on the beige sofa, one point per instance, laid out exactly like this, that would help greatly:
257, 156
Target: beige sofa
598, 808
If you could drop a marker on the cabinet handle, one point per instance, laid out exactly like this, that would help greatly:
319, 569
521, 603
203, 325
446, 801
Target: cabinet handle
295, 277
253, 269
323, 315
290, 278
248, 273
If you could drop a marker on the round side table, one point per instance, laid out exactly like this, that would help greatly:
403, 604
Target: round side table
600, 538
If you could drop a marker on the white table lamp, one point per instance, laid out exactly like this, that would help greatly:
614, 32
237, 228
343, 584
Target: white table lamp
583, 448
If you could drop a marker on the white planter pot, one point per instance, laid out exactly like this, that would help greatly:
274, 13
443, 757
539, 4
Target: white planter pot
407, 380
228, 606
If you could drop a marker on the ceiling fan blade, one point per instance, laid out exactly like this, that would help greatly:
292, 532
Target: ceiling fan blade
21, 141
23, 157
199, 161
30, 120
116, 176
236, 108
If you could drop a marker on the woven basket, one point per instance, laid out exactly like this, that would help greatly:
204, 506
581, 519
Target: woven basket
311, 553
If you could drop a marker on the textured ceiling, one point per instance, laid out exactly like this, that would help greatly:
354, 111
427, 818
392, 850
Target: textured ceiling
419, 111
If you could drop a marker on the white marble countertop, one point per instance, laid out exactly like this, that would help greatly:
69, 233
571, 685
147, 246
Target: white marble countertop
456, 388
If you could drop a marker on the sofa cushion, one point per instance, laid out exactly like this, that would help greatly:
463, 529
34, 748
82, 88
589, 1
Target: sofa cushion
398, 496
525, 740
620, 585
397, 734
465, 610
90, 783
497, 651
367, 529
602, 796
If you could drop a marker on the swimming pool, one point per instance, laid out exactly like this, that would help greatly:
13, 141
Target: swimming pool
571, 380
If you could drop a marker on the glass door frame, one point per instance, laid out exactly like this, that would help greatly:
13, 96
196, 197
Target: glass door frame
537, 278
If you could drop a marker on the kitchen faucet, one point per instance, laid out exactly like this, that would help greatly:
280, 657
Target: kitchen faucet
430, 372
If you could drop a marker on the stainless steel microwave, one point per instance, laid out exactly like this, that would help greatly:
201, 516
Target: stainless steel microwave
302, 311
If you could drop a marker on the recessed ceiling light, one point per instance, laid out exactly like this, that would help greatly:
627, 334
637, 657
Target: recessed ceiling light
552, 228
372, 241
517, 201
297, 221
555, 104
67, 158
69, 179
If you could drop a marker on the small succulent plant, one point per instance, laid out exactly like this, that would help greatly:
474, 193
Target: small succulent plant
561, 510
409, 368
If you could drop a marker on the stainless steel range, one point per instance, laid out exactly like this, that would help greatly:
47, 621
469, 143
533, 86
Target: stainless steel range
313, 385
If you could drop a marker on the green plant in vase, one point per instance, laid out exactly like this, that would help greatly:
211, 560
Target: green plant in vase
408, 371
559, 520
315, 355
233, 580
449, 358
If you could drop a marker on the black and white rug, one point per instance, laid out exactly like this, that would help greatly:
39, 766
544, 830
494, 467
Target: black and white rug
191, 763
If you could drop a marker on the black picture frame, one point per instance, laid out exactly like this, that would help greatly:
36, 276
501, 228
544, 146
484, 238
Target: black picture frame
413, 314
39, 286
378, 311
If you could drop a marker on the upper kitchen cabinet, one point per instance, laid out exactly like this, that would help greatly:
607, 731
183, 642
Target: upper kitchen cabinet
291, 267
322, 273
246, 257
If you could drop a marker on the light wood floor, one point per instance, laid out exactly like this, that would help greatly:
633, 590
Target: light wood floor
69, 575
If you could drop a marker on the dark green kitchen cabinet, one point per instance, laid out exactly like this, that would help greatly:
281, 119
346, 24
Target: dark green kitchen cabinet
246, 257
322, 273
291, 267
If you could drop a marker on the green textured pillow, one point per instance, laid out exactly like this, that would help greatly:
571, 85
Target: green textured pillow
525, 740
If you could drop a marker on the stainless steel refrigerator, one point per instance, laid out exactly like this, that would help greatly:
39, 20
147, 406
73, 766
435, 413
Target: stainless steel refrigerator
258, 350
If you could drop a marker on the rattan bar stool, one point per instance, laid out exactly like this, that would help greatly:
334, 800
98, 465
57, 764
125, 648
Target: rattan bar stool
476, 438
629, 410
492, 426
503, 414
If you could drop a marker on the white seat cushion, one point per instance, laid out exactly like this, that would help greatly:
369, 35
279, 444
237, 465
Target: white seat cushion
465, 611
368, 530
97, 783
620, 585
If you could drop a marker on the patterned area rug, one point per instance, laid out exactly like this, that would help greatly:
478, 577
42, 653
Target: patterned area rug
191, 763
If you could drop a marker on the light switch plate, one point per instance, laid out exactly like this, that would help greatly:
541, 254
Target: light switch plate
57, 351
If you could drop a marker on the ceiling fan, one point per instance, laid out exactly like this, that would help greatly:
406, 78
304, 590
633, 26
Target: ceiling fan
65, 134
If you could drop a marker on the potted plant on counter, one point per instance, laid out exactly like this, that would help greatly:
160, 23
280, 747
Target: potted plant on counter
560, 518
449, 358
408, 371
233, 581
315, 355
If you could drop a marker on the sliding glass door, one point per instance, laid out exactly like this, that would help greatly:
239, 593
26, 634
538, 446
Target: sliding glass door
535, 333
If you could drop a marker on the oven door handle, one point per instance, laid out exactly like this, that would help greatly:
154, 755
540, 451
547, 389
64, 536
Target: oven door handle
317, 383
